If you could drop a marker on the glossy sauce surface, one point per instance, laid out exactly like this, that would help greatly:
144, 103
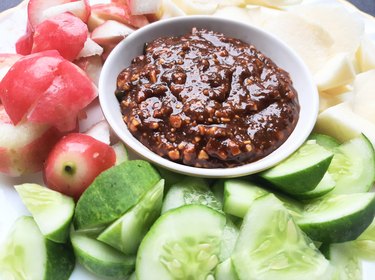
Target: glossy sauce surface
207, 100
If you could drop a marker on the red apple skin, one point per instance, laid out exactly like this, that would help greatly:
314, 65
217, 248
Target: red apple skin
75, 161
49, 90
24, 147
119, 12
6, 62
34, 74
35, 9
65, 33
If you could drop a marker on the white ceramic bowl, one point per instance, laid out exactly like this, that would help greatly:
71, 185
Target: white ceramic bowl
281, 54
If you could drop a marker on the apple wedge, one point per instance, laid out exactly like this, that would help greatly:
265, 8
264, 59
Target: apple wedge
75, 161
364, 95
100, 131
49, 90
36, 8
65, 33
80, 9
6, 62
24, 147
118, 12
111, 32
92, 65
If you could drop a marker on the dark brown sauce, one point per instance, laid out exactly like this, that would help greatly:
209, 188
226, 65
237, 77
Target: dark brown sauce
207, 100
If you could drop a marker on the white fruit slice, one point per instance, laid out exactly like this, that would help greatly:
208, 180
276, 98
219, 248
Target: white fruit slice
196, 7
366, 54
141, 7
78, 8
233, 13
110, 31
309, 40
343, 124
170, 9
364, 95
90, 48
337, 71
273, 3
51, 210
333, 97
100, 132
345, 29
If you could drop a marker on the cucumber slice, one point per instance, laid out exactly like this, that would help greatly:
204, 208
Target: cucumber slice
126, 233
338, 218
170, 177
302, 171
27, 254
121, 152
326, 185
218, 190
238, 196
325, 141
353, 166
191, 190
271, 246
114, 192
183, 243
228, 240
101, 259
225, 271
52, 211
346, 265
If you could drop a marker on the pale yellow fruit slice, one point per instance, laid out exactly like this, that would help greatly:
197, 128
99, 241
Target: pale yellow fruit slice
309, 40
364, 95
170, 9
345, 29
197, 7
343, 124
334, 97
366, 55
235, 13
274, 3
338, 71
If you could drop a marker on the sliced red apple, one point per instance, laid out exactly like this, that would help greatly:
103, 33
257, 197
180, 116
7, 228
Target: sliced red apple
36, 8
75, 161
24, 147
92, 65
49, 90
80, 9
119, 12
142, 7
65, 33
6, 62
25, 43
70, 92
111, 32
34, 75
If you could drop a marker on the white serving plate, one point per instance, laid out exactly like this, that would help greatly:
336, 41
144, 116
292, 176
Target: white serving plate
12, 26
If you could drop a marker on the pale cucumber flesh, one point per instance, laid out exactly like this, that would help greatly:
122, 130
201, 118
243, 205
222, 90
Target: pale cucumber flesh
100, 258
191, 190
225, 271
338, 218
325, 186
184, 243
302, 171
271, 246
51, 210
238, 196
27, 254
126, 233
353, 166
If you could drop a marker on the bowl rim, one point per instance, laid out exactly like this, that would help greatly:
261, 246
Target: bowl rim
287, 148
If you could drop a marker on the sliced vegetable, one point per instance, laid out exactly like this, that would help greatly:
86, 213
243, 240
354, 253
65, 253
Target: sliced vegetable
271, 246
27, 254
52, 211
302, 171
184, 243
126, 233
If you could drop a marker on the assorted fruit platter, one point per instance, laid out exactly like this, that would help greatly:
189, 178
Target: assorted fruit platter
76, 205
